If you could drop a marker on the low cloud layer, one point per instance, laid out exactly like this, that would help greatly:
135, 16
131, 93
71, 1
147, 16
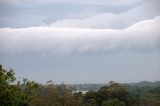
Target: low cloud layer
104, 14
112, 20
104, 2
141, 36
67, 40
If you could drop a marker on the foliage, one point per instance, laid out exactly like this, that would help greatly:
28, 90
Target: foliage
113, 102
31, 93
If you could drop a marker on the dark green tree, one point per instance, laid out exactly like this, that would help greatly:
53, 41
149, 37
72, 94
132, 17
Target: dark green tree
10, 94
113, 102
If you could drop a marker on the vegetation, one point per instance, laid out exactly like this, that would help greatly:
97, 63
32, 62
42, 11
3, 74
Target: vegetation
30, 93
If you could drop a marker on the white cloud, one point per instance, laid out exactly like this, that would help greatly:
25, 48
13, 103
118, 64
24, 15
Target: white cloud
114, 14
97, 21
146, 10
59, 41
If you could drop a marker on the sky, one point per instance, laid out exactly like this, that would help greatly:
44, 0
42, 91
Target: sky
81, 41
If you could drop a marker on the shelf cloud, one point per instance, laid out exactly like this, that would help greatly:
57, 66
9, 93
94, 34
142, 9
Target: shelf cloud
141, 36
67, 40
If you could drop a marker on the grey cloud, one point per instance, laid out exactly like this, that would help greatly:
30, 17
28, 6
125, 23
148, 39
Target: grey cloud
149, 9
86, 14
14, 13
104, 2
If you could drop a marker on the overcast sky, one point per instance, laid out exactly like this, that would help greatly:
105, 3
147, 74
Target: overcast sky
77, 41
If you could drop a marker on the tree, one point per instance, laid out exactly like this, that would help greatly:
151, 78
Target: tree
113, 102
115, 91
10, 94
6, 77
90, 98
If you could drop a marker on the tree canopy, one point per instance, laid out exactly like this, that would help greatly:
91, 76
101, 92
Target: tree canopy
31, 93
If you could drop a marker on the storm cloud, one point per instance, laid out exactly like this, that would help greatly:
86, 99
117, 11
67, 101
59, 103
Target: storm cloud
67, 40
141, 36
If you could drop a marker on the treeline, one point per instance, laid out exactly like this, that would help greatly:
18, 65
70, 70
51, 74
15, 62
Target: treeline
87, 86
97, 86
30, 93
